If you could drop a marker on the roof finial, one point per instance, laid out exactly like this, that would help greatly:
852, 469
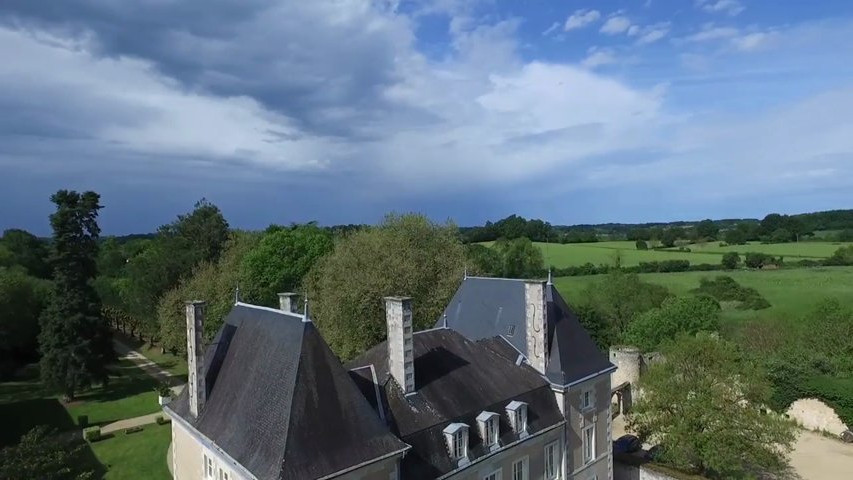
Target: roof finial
237, 293
465, 273
444, 320
305, 317
549, 276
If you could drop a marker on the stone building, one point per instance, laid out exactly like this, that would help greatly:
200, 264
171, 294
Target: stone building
507, 385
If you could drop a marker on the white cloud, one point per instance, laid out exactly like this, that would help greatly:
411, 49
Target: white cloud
730, 7
597, 57
650, 33
710, 32
754, 41
553, 28
580, 19
616, 25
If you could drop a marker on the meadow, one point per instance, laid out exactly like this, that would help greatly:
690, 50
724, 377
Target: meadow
574, 254
791, 292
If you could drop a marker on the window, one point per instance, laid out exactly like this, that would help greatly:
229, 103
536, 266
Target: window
456, 435
586, 400
223, 475
209, 468
489, 430
517, 413
519, 469
552, 461
496, 475
459, 447
589, 443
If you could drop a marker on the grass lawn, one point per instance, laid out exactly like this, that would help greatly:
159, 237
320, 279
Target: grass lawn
791, 292
174, 364
137, 456
24, 403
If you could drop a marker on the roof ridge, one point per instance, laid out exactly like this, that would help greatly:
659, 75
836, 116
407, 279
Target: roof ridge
268, 309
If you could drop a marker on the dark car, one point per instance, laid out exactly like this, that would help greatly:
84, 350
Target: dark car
626, 444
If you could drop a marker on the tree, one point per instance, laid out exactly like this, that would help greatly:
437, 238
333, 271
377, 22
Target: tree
213, 282
781, 235
22, 299
280, 260
641, 245
618, 297
668, 237
675, 315
735, 236
841, 256
43, 455
730, 260
75, 341
707, 229
704, 404
26, 250
404, 255
483, 260
520, 258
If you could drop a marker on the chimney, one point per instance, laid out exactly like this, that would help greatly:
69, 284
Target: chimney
195, 356
287, 302
401, 360
536, 320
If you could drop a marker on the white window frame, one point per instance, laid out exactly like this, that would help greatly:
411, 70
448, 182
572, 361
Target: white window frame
521, 419
525, 468
586, 399
209, 468
492, 431
552, 456
460, 449
495, 475
588, 443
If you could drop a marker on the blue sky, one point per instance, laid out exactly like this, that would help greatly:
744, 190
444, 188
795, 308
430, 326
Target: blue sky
339, 111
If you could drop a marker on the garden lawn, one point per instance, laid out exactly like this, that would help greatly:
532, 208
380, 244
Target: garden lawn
135, 456
24, 403
791, 292
174, 364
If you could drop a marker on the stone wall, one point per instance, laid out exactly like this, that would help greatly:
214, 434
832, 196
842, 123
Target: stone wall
629, 467
812, 414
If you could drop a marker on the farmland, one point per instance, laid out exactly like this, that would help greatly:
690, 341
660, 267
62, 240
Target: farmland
791, 292
574, 254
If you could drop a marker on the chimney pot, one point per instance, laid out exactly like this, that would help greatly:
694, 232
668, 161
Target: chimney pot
287, 301
195, 356
401, 361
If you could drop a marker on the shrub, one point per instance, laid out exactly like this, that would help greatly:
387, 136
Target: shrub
726, 289
758, 260
128, 431
842, 256
730, 260
163, 389
83, 421
161, 420
92, 434
641, 245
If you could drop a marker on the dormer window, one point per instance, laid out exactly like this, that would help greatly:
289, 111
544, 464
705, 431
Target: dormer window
456, 435
517, 413
586, 400
488, 423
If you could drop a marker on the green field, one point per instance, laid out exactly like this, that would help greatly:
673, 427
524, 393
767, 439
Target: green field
792, 292
140, 455
787, 250
574, 254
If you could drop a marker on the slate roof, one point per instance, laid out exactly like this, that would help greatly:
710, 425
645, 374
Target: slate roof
281, 403
455, 380
490, 307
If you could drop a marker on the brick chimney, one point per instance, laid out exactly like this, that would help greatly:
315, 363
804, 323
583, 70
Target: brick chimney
287, 302
195, 356
401, 360
536, 318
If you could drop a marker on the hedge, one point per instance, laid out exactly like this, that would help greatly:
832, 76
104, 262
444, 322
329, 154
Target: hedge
92, 434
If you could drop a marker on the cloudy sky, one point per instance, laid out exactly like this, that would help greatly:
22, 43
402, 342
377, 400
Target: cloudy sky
340, 110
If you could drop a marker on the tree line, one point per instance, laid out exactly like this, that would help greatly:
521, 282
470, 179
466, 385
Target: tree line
773, 228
